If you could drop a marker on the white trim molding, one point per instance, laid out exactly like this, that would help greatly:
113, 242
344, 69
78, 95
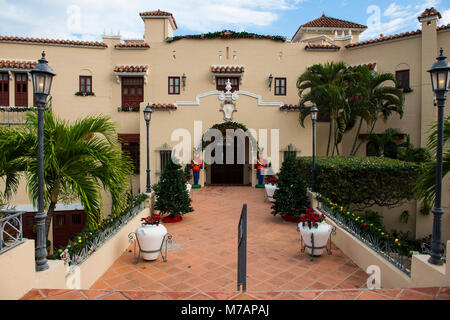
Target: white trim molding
221, 97
131, 74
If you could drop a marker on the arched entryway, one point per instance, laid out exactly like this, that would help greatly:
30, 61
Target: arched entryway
231, 159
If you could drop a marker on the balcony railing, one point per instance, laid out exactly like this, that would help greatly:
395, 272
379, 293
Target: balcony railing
14, 115
382, 247
11, 231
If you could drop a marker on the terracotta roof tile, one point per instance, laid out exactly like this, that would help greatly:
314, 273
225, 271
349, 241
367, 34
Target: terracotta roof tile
159, 13
371, 66
328, 22
310, 46
163, 107
15, 64
77, 43
142, 68
227, 69
430, 13
443, 27
385, 38
133, 45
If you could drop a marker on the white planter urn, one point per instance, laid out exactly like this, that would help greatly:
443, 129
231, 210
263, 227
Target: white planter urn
321, 236
150, 238
188, 187
270, 190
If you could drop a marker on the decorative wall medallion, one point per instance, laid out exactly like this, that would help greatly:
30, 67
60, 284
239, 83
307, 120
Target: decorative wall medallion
228, 108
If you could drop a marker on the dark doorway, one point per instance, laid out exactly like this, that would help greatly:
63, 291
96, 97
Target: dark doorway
228, 173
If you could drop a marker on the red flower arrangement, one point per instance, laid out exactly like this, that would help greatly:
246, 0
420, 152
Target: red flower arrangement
312, 218
153, 220
272, 181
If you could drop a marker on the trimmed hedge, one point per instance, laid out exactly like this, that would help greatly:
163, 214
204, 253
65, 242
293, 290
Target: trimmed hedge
362, 181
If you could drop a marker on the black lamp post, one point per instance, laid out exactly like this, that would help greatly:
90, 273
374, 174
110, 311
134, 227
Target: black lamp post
314, 111
42, 76
440, 82
148, 116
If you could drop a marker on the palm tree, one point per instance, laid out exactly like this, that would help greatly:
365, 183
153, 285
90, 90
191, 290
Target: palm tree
425, 186
326, 85
387, 144
81, 159
375, 100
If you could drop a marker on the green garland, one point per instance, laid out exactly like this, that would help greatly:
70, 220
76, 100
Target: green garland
227, 34
84, 239
17, 109
367, 227
227, 125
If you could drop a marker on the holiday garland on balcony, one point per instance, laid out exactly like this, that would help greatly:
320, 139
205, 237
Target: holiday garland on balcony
227, 34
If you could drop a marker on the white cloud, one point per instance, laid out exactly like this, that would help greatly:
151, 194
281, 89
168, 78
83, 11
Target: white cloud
398, 18
445, 17
21, 17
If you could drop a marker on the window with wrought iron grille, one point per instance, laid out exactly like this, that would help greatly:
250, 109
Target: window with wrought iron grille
221, 84
165, 156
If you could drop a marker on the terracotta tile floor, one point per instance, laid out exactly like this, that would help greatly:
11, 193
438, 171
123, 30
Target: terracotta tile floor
342, 294
203, 256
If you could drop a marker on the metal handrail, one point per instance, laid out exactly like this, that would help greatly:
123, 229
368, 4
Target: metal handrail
11, 230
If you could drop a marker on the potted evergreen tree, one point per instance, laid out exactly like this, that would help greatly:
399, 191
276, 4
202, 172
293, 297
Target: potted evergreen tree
172, 197
291, 200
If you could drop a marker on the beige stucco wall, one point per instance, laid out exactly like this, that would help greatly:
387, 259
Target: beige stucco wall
17, 271
260, 58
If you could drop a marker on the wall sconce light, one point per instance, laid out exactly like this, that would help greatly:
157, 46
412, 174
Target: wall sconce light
183, 80
270, 81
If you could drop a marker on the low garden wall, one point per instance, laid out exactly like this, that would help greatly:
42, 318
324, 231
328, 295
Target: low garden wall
394, 271
17, 266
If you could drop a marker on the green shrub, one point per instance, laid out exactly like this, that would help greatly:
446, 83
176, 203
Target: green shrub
362, 181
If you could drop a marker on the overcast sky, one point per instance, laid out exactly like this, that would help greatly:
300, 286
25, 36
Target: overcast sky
88, 19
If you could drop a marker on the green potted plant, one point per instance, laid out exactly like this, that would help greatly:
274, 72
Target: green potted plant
172, 197
290, 198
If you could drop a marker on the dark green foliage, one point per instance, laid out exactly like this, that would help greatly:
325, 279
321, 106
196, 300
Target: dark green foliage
226, 34
373, 217
171, 194
187, 173
290, 197
362, 181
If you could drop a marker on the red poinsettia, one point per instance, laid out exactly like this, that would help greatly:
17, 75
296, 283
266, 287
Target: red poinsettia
272, 181
312, 219
153, 220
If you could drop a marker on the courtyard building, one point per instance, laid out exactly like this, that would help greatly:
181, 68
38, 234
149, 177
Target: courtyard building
195, 82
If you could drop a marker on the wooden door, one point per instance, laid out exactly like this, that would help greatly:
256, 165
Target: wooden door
132, 92
228, 173
4, 89
21, 90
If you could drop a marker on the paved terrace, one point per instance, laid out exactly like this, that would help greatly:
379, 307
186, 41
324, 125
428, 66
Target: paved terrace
203, 258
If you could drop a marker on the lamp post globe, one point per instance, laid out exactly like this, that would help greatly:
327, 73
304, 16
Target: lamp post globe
148, 117
42, 76
440, 83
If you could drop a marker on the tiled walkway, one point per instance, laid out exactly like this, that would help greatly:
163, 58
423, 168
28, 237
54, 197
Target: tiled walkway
204, 254
342, 294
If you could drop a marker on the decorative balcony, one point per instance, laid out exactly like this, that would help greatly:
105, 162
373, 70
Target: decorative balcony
14, 115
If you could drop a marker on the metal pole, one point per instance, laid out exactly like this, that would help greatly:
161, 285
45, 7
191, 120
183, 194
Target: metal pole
313, 184
436, 251
148, 189
41, 244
